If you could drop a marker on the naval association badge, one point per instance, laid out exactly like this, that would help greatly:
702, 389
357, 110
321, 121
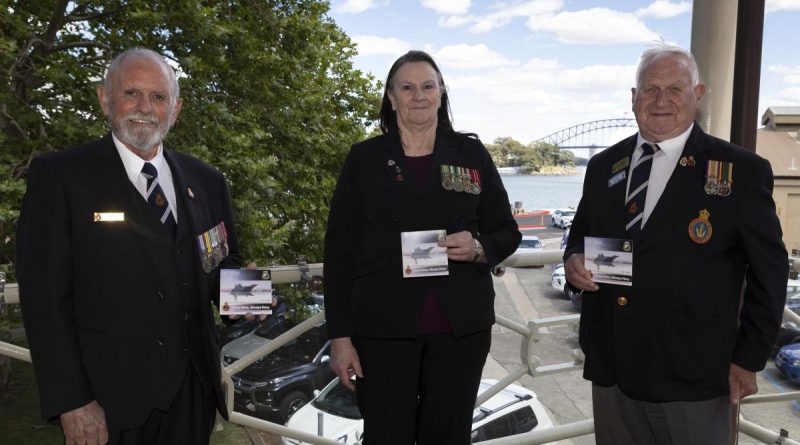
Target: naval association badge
627, 246
700, 228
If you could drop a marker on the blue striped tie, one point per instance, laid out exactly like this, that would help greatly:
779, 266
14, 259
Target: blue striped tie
637, 191
157, 200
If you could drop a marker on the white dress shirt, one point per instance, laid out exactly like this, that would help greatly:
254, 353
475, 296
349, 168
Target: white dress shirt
133, 166
664, 162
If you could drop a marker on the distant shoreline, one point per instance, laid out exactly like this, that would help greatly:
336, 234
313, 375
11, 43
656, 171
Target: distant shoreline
546, 171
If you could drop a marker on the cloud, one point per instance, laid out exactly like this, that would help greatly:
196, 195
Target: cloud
782, 5
503, 15
791, 74
543, 81
471, 57
449, 7
785, 97
664, 9
374, 45
454, 21
355, 6
595, 26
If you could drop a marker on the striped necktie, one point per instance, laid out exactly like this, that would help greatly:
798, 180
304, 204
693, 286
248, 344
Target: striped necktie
157, 200
637, 191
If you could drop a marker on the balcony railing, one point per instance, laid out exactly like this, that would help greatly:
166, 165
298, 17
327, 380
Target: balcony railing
531, 333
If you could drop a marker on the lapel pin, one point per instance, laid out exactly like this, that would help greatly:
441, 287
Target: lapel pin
191, 194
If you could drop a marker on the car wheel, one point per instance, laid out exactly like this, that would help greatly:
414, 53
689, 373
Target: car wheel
291, 403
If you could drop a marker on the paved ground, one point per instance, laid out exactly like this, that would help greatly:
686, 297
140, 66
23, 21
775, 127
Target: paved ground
524, 294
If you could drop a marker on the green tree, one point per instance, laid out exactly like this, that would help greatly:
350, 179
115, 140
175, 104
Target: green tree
270, 98
507, 152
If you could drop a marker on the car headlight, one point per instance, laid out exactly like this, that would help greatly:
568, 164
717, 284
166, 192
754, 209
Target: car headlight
276, 381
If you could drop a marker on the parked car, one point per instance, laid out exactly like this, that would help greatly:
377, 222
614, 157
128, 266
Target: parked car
280, 383
788, 361
790, 331
562, 218
559, 283
514, 410
530, 243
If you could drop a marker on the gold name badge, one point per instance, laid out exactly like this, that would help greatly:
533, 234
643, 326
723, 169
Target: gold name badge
109, 216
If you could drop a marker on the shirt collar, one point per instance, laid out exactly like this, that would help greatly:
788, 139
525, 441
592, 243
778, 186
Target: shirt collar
133, 163
672, 148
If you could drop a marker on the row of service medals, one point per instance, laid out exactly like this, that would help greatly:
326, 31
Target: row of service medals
719, 178
213, 246
461, 179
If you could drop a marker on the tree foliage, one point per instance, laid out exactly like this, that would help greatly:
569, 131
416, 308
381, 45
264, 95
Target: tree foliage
270, 98
507, 152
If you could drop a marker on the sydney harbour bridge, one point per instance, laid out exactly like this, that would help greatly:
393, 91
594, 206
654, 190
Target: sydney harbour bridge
588, 138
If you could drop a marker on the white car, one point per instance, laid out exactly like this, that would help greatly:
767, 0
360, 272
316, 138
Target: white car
529, 243
514, 410
563, 218
559, 283
559, 278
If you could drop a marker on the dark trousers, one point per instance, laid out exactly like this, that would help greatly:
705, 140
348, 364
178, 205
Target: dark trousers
188, 421
420, 391
621, 420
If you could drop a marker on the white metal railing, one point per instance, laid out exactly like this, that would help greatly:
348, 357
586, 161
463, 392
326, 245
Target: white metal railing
531, 332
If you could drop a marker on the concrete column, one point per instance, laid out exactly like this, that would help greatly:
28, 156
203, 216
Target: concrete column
713, 46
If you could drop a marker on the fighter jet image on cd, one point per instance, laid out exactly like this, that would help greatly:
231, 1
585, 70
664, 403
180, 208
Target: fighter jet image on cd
240, 290
602, 260
420, 253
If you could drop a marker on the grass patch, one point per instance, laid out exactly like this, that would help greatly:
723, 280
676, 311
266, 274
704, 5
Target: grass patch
20, 423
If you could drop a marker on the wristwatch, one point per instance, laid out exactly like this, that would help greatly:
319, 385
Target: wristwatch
478, 249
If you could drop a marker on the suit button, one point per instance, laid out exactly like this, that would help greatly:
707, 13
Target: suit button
184, 284
159, 342
622, 301
160, 295
185, 317
185, 350
396, 219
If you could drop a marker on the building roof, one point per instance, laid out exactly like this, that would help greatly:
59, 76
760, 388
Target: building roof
782, 149
777, 117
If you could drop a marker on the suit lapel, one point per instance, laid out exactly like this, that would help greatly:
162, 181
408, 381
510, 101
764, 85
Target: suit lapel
681, 179
189, 196
138, 216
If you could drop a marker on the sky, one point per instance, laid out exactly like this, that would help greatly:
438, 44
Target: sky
528, 68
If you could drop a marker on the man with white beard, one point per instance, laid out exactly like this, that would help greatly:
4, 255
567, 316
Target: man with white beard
119, 247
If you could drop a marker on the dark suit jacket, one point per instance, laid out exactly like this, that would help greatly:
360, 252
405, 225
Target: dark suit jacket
102, 301
680, 329
365, 292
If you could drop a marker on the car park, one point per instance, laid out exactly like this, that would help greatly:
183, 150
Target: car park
514, 410
788, 361
562, 218
277, 385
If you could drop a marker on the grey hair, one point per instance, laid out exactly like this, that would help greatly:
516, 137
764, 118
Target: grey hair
662, 49
146, 54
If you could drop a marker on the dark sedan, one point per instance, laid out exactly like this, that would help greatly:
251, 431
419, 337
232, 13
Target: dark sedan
283, 381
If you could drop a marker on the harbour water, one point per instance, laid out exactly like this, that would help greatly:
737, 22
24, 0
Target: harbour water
545, 192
